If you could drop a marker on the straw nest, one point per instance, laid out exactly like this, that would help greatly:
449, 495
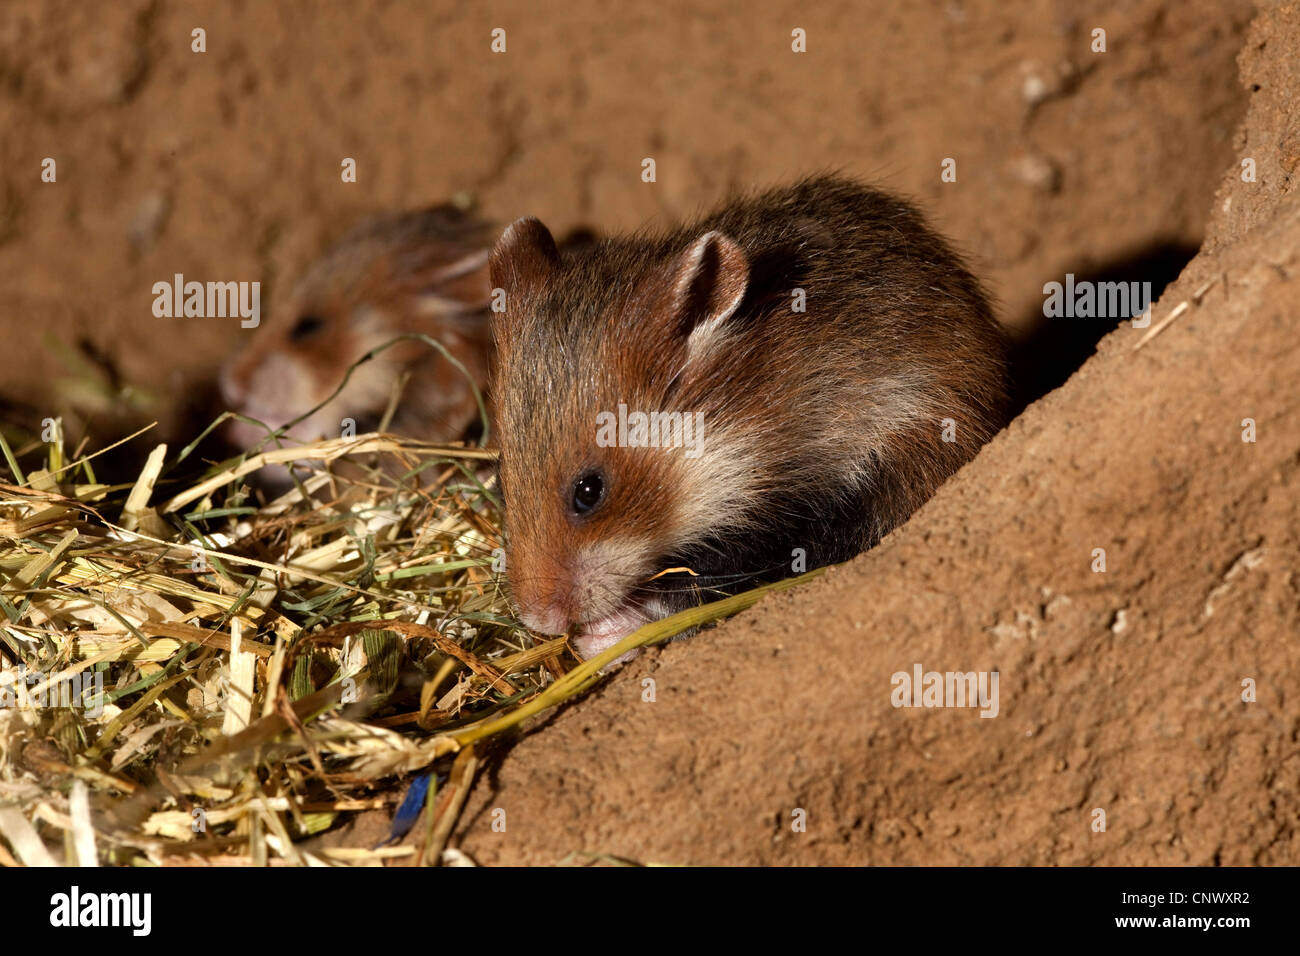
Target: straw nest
189, 674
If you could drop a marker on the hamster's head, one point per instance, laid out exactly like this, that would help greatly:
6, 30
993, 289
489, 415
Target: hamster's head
416, 273
611, 466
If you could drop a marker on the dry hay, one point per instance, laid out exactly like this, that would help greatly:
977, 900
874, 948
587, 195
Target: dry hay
190, 676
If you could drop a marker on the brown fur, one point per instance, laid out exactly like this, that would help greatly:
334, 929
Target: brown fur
822, 428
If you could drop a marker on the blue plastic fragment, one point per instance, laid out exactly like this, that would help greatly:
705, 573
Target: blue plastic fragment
410, 809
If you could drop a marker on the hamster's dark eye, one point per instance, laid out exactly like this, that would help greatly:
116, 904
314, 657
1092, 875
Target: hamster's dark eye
306, 327
588, 493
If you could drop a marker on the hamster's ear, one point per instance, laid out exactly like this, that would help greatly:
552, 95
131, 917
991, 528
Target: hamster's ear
458, 286
523, 260
706, 286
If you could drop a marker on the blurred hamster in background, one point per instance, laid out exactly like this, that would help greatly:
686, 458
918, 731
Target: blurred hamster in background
419, 272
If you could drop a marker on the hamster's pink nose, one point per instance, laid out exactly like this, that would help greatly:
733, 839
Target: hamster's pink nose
541, 588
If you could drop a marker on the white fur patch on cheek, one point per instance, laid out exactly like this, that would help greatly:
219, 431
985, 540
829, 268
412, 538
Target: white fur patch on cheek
716, 481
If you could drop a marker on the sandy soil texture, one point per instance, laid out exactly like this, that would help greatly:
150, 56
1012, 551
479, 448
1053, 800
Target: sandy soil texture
225, 165
1122, 692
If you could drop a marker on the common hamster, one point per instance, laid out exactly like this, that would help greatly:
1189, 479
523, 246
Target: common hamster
422, 272
828, 358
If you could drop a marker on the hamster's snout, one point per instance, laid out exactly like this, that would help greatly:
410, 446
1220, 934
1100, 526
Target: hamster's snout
581, 598
273, 390
233, 384
544, 618
592, 637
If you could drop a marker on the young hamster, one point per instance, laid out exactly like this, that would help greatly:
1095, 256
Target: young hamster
812, 364
422, 272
